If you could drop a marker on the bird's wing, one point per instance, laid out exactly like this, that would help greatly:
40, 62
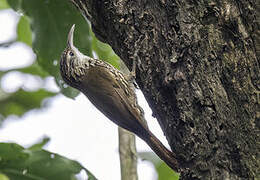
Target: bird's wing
114, 98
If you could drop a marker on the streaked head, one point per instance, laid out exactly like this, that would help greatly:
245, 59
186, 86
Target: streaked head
68, 58
70, 51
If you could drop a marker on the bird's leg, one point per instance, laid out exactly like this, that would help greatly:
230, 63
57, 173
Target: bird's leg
131, 76
133, 71
136, 59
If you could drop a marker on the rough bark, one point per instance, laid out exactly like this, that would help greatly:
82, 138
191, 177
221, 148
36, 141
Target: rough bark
198, 68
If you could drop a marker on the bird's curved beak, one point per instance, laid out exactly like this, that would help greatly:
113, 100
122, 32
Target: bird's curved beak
70, 36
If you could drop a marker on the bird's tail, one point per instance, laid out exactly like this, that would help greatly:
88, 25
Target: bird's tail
164, 154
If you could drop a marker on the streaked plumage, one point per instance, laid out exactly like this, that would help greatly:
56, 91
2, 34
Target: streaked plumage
111, 92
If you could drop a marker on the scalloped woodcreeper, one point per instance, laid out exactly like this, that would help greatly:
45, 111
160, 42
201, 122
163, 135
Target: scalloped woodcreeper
112, 93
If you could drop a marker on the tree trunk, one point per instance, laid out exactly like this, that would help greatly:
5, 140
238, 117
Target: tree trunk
198, 68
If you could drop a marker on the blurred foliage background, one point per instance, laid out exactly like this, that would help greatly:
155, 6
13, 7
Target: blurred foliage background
43, 26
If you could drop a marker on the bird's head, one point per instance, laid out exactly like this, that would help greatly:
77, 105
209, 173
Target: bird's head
69, 59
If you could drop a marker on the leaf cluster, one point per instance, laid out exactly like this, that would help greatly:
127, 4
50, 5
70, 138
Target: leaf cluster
34, 163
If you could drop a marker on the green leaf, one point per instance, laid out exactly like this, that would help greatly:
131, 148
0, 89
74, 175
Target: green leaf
24, 33
3, 177
50, 21
41, 144
2, 73
164, 172
3, 5
34, 69
18, 163
104, 52
11, 152
15, 4
22, 101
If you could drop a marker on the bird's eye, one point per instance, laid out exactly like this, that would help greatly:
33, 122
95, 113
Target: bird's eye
71, 53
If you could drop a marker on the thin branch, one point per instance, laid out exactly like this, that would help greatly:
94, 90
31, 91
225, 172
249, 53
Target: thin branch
128, 157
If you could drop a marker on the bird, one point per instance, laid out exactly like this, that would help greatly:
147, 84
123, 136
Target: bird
111, 92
